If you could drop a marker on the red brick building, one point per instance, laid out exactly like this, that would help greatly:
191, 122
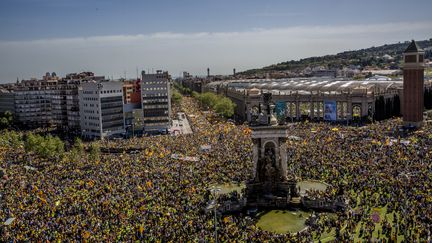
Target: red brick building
413, 72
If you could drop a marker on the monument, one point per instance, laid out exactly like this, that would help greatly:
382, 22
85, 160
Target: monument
272, 185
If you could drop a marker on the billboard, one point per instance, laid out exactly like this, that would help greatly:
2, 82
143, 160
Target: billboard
330, 110
280, 109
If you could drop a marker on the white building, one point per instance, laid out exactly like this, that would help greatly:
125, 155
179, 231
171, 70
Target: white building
156, 101
101, 109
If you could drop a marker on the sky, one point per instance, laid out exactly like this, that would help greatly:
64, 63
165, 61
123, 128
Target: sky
117, 38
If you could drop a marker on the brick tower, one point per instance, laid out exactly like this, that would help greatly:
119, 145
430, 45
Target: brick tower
413, 85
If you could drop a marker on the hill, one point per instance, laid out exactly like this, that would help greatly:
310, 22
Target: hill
387, 56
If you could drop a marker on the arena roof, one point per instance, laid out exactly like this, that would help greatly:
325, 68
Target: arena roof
308, 85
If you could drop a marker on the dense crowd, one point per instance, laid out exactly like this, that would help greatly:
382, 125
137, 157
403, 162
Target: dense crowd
152, 195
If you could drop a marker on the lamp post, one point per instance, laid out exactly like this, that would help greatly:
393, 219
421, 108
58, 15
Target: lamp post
215, 190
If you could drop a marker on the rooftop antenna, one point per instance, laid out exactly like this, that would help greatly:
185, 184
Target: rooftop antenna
137, 72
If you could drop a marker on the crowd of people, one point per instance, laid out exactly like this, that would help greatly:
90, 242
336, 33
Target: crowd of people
151, 195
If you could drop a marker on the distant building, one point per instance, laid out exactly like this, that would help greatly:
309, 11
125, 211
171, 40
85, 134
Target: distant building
7, 101
65, 101
156, 101
33, 102
307, 98
131, 91
101, 109
324, 73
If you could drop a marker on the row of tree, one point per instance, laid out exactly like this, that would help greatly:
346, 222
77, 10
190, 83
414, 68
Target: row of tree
387, 108
47, 147
6, 119
220, 104
428, 98
176, 97
182, 89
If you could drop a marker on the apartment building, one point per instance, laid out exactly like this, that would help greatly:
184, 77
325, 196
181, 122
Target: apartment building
33, 102
65, 101
7, 100
101, 109
156, 102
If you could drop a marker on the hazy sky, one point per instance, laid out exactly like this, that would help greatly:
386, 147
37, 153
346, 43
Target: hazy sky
113, 37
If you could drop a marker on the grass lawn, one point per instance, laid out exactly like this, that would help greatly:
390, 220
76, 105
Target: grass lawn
282, 221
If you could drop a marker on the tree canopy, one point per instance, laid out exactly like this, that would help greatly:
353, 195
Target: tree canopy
220, 104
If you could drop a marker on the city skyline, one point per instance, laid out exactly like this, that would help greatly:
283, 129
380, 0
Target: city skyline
111, 39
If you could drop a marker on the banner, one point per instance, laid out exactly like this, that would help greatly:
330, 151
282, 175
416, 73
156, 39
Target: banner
330, 110
280, 108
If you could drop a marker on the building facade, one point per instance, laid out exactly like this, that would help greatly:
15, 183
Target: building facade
33, 102
7, 101
132, 91
101, 109
307, 98
156, 101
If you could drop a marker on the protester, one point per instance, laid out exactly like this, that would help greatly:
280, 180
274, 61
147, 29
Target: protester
152, 195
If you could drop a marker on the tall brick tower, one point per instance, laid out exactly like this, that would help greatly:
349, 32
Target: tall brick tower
413, 85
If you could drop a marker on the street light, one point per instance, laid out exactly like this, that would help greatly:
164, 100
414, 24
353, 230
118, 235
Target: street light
214, 190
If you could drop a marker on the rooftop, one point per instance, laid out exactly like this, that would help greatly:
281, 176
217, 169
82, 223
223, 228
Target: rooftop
413, 47
308, 85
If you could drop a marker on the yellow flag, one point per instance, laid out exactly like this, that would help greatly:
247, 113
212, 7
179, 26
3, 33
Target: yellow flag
149, 184
387, 142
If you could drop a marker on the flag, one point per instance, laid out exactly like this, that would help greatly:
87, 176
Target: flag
149, 184
227, 220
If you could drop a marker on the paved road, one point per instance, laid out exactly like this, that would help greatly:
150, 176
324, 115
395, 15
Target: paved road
181, 125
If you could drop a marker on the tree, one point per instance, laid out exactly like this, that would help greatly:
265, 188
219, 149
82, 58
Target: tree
11, 139
6, 119
94, 154
176, 97
208, 99
225, 107
48, 147
396, 105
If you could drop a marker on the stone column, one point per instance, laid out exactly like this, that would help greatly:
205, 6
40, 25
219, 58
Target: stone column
312, 111
291, 110
297, 110
364, 108
349, 108
248, 112
255, 156
283, 158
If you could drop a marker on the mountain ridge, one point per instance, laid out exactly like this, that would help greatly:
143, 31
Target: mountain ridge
387, 56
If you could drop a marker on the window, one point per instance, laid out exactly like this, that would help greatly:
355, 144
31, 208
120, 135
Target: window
410, 58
